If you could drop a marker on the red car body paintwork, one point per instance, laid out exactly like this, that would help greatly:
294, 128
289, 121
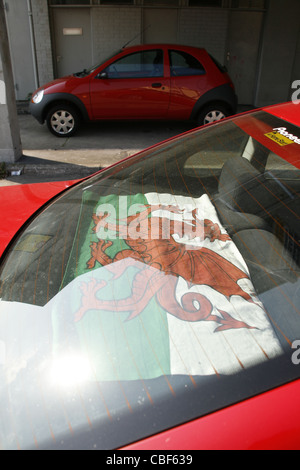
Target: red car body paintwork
270, 420
21, 201
287, 113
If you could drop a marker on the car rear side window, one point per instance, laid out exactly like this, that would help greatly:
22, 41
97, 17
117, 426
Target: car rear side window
182, 63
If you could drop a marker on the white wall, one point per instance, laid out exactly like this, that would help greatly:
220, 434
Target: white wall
113, 27
205, 27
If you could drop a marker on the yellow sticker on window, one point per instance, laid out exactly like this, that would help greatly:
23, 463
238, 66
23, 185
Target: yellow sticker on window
32, 243
282, 137
279, 139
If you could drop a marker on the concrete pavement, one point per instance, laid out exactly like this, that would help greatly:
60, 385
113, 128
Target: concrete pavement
97, 145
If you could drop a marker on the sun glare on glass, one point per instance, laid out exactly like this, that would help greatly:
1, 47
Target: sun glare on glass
71, 370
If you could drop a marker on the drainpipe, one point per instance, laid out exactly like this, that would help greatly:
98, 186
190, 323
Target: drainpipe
32, 41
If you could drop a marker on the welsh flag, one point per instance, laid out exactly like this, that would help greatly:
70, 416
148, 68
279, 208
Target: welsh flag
155, 286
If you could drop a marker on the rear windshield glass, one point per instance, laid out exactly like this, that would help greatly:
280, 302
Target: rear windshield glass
158, 291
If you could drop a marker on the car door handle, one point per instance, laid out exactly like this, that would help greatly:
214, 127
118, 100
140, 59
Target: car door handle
156, 85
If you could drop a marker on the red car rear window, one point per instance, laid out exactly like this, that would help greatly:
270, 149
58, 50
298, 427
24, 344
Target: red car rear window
160, 290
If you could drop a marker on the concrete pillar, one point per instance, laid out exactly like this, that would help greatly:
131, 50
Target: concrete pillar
10, 141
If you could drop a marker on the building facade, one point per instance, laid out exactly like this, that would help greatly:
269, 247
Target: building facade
258, 40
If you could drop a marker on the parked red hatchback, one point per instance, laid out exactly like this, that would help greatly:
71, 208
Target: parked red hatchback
140, 82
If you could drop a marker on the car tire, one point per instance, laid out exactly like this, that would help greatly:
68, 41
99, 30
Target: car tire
63, 120
212, 113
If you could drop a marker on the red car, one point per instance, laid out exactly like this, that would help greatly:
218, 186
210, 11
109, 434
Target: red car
155, 304
141, 82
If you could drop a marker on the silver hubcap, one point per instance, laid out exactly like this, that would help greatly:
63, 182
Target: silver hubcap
213, 116
62, 122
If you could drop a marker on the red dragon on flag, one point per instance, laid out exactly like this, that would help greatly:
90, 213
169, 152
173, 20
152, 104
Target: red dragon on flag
164, 261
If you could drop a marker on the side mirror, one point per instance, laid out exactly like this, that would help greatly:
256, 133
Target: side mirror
102, 75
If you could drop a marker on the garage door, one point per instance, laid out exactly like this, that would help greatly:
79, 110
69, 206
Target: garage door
72, 40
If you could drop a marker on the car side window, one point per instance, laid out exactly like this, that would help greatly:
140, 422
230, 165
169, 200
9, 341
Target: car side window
182, 63
137, 65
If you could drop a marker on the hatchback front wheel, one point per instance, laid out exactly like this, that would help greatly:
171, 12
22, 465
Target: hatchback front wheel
63, 120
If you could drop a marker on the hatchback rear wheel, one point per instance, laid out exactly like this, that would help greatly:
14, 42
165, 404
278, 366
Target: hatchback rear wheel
212, 113
63, 120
